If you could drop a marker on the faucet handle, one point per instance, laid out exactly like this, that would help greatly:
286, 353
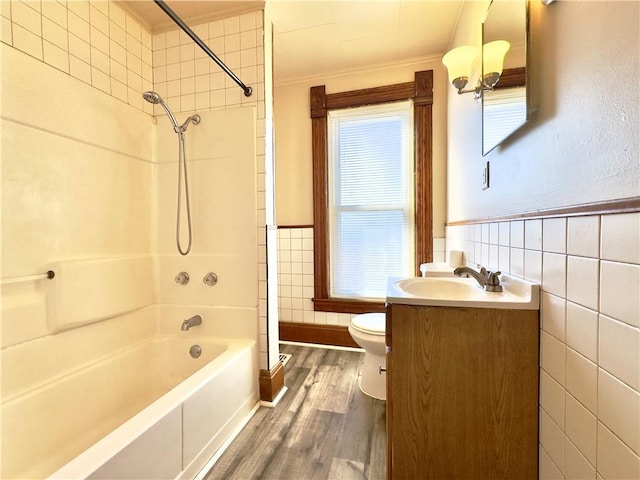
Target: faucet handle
493, 278
182, 278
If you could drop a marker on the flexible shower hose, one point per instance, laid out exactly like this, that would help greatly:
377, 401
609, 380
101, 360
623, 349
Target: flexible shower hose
182, 170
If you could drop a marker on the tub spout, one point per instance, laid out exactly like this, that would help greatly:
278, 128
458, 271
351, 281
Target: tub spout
191, 322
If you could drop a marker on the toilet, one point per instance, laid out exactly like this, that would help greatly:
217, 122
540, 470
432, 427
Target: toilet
368, 331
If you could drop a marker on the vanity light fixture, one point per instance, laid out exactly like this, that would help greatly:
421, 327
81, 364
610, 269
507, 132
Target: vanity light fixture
460, 62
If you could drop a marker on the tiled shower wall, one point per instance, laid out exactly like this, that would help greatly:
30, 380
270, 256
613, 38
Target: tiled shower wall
589, 269
296, 281
95, 42
99, 43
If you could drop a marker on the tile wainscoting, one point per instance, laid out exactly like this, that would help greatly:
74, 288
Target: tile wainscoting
296, 280
589, 269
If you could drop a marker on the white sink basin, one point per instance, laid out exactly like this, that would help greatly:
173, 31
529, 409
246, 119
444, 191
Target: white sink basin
463, 292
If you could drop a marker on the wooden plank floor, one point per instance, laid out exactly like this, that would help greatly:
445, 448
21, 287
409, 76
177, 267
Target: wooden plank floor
323, 428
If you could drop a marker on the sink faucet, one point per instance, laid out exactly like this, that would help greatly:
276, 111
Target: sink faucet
490, 281
191, 322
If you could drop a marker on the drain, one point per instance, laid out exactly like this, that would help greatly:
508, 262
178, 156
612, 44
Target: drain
195, 351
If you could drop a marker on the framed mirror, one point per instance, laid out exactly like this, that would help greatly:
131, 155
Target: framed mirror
505, 108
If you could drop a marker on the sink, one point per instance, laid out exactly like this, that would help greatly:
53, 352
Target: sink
463, 292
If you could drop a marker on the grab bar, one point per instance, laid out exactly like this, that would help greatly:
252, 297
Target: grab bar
247, 90
28, 278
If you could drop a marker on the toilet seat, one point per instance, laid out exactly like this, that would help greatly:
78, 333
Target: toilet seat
371, 323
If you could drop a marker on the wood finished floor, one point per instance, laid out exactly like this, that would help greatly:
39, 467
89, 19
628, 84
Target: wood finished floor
323, 428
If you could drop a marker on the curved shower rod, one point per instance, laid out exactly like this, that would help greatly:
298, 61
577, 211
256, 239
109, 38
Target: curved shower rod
247, 90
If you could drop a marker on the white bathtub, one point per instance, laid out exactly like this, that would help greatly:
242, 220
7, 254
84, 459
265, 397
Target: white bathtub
149, 411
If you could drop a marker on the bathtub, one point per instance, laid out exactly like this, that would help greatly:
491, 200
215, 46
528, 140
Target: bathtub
147, 411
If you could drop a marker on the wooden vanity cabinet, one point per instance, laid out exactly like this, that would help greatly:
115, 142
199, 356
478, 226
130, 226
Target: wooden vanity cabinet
462, 393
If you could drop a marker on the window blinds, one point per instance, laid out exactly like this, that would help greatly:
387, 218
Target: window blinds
501, 110
370, 198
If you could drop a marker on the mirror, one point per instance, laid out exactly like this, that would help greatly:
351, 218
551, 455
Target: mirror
505, 108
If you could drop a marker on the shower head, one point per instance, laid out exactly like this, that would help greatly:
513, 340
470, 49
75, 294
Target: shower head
155, 99
152, 97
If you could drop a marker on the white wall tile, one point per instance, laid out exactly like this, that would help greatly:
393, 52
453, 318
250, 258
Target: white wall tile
54, 11
56, 57
554, 273
517, 234
79, 27
548, 469
79, 8
552, 313
553, 357
583, 236
583, 281
504, 261
582, 379
5, 29
5, 10
516, 262
582, 330
79, 49
618, 350
552, 397
619, 409
533, 266
55, 34
27, 41
552, 439
621, 237
581, 428
25, 16
554, 234
577, 467
79, 69
484, 232
615, 459
594, 306
620, 291
533, 234
504, 233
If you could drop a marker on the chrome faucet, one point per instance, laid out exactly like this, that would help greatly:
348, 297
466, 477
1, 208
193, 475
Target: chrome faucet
191, 322
490, 281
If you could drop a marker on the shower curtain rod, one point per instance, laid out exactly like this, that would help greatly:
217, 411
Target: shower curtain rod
247, 90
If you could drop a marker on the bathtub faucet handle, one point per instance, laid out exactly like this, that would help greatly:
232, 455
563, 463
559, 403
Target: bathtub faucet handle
210, 279
182, 278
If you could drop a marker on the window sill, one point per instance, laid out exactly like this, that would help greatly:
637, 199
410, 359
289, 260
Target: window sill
347, 306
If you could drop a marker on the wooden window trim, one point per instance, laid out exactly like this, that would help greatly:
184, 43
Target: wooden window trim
512, 77
421, 92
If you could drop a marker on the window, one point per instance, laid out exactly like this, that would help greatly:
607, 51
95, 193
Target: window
340, 227
371, 200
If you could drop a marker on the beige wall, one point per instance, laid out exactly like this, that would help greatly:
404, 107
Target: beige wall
581, 145
294, 187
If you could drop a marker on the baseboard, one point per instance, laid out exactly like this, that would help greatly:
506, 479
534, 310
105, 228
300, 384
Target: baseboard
271, 382
320, 334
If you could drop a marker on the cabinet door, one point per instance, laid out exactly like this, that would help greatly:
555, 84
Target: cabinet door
464, 387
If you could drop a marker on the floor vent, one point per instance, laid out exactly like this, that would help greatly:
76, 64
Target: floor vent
284, 358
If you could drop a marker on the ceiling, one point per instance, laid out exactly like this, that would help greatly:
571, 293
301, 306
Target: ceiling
313, 38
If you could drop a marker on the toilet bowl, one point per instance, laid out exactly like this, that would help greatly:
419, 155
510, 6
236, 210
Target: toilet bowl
368, 331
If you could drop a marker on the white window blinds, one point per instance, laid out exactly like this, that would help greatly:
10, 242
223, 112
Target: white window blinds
501, 110
370, 198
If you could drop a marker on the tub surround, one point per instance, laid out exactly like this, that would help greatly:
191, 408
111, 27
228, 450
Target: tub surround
87, 188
